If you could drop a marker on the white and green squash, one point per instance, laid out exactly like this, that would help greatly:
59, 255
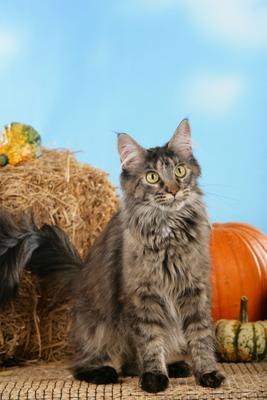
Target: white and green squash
240, 340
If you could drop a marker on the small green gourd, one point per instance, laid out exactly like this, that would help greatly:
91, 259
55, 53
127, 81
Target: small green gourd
240, 340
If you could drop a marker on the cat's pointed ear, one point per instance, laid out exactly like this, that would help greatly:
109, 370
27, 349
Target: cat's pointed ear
180, 142
131, 153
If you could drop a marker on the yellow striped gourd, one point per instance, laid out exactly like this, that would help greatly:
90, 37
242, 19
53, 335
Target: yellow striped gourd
240, 340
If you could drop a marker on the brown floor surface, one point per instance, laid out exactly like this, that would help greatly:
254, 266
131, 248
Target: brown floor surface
54, 382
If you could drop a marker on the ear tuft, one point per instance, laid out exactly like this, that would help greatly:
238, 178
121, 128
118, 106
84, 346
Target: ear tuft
131, 153
180, 142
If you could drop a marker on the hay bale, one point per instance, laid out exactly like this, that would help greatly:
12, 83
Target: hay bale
57, 189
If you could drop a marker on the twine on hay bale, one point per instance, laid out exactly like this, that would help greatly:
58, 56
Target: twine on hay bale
56, 189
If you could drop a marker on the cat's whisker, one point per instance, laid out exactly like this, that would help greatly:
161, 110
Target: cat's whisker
222, 197
216, 184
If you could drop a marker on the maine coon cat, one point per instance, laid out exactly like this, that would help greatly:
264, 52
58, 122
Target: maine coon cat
142, 296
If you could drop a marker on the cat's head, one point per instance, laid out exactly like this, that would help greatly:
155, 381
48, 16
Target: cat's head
164, 177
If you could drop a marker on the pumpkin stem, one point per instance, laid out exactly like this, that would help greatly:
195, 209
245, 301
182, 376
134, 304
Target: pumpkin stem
243, 309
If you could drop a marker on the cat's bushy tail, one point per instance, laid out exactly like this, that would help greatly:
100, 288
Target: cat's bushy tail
45, 251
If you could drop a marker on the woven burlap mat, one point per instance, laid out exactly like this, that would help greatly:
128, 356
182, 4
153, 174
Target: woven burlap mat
54, 382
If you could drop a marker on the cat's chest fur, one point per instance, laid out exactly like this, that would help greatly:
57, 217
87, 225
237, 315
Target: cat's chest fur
163, 251
168, 232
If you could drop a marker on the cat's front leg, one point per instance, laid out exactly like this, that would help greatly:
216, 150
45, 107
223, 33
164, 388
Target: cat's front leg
147, 332
199, 335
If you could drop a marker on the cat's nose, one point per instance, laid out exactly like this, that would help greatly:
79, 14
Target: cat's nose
173, 189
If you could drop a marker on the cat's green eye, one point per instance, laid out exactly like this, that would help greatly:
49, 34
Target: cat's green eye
180, 171
152, 177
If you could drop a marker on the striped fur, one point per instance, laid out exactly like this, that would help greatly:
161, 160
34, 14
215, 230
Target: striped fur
143, 301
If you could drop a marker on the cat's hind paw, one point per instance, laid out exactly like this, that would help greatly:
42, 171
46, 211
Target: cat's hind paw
211, 379
100, 376
153, 382
179, 369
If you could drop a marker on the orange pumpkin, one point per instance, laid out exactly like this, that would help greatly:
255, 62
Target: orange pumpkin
239, 268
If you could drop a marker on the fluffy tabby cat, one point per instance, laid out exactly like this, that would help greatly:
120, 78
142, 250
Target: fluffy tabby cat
142, 296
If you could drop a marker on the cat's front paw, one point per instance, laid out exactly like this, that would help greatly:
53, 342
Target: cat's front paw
211, 379
153, 382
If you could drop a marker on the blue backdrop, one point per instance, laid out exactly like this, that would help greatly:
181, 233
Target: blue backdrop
78, 71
